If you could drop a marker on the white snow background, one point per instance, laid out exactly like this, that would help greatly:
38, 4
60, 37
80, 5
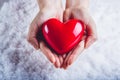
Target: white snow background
20, 61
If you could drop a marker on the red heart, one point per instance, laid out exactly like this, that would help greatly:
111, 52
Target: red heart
62, 37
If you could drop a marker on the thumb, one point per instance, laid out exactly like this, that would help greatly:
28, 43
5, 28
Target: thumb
32, 36
32, 33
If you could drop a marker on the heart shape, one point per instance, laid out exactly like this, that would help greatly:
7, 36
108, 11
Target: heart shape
62, 37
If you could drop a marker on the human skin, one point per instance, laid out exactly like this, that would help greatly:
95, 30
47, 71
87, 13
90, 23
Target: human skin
47, 11
77, 9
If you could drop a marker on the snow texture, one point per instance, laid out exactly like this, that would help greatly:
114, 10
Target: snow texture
20, 61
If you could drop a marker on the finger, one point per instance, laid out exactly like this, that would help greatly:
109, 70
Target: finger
65, 64
63, 56
47, 52
91, 33
76, 52
32, 35
57, 63
61, 60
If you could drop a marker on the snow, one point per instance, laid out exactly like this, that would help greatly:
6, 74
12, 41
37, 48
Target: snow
20, 61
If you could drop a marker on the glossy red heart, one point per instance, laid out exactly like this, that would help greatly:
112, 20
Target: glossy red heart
62, 37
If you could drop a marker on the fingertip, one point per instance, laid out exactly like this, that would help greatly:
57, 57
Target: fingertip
52, 60
57, 63
50, 57
61, 60
70, 61
65, 67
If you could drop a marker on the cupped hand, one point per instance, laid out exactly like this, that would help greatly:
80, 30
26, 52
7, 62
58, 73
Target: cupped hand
90, 34
45, 13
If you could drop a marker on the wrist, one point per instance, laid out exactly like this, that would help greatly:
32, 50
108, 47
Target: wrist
77, 4
50, 4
